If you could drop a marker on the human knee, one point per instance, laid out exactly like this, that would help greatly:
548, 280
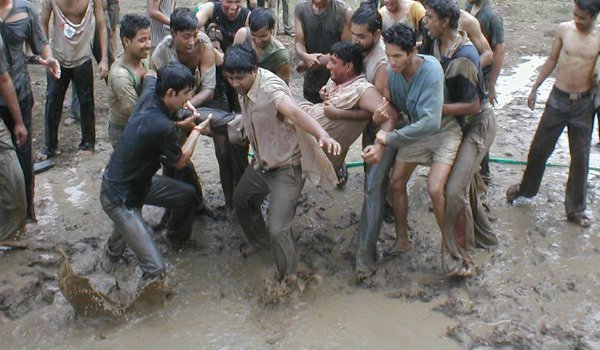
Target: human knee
435, 189
398, 183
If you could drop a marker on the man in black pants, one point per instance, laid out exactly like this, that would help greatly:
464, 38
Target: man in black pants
129, 181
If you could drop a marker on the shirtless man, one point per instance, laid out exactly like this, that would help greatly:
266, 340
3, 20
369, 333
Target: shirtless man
575, 51
73, 31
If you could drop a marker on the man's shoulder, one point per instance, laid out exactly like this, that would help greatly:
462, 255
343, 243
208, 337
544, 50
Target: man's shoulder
341, 4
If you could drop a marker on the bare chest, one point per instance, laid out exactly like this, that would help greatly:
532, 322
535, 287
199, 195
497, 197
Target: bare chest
74, 10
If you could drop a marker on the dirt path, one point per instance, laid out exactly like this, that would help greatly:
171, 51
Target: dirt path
537, 289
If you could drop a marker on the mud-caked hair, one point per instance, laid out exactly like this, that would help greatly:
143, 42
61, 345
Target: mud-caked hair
590, 6
446, 9
131, 24
183, 20
349, 53
402, 36
365, 14
174, 76
240, 58
261, 18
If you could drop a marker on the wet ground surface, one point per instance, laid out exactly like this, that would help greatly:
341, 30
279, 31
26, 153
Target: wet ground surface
537, 290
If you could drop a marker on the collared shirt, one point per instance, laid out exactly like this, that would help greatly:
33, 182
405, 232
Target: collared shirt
166, 52
21, 25
272, 137
124, 90
149, 140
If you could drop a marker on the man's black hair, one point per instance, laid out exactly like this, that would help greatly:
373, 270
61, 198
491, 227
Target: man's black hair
365, 14
590, 6
400, 35
446, 9
183, 20
131, 24
261, 18
174, 76
240, 58
349, 53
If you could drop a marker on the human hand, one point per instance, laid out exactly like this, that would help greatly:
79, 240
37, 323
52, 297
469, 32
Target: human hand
381, 113
531, 99
52, 65
330, 145
103, 67
204, 127
323, 93
380, 137
189, 122
372, 154
330, 111
312, 60
492, 95
20, 134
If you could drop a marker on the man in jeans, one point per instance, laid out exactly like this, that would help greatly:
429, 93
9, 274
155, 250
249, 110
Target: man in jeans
73, 30
570, 105
129, 180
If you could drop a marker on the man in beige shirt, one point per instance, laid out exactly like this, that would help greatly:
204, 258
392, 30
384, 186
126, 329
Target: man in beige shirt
272, 123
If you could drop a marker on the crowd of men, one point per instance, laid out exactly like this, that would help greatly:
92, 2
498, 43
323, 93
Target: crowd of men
415, 79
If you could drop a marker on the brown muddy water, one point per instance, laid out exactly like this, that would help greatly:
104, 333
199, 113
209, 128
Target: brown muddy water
539, 289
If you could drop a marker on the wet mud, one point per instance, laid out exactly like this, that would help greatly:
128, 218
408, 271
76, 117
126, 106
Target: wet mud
536, 290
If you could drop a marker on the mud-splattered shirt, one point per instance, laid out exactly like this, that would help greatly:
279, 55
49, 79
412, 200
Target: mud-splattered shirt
21, 25
149, 140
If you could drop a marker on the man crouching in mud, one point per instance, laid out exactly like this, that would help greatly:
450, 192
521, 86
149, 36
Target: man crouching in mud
268, 111
129, 180
570, 104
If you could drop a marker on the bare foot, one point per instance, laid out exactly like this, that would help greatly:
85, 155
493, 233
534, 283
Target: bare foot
400, 247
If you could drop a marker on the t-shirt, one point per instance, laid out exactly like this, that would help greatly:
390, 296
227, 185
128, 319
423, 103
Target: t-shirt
421, 98
124, 90
149, 140
166, 52
228, 27
491, 24
320, 33
373, 60
15, 33
273, 55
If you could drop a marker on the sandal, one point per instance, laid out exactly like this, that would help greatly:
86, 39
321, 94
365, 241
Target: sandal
342, 176
580, 219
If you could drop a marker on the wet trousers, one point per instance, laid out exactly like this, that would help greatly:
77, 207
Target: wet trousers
284, 184
578, 116
375, 189
24, 152
12, 194
130, 228
465, 219
83, 76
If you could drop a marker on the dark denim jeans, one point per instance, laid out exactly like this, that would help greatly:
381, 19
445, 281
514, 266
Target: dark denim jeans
83, 77
130, 228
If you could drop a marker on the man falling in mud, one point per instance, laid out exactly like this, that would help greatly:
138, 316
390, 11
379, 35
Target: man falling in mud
570, 104
268, 111
125, 79
129, 181
349, 100
465, 98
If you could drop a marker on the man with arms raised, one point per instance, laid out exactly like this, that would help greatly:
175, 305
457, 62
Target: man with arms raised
575, 51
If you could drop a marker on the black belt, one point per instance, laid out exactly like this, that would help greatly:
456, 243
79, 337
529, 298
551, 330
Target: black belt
573, 96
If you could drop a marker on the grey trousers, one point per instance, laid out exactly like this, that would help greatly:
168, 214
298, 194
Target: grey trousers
376, 183
284, 184
131, 229
478, 136
578, 117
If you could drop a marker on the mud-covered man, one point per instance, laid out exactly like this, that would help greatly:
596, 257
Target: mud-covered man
270, 118
465, 98
129, 181
73, 29
125, 79
570, 104
21, 25
319, 24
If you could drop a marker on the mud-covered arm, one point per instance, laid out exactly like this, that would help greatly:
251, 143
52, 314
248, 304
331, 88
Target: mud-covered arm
208, 71
471, 26
155, 13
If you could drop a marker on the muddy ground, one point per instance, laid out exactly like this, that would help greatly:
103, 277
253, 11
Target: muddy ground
537, 290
